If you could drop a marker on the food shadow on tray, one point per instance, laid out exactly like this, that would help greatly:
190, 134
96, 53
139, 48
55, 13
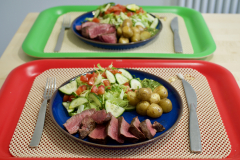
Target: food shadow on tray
168, 120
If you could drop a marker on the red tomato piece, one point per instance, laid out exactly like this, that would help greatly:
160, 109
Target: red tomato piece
79, 90
94, 74
110, 69
101, 89
117, 12
84, 87
65, 98
84, 78
96, 20
91, 81
94, 89
126, 84
116, 71
129, 14
71, 97
104, 75
88, 75
106, 83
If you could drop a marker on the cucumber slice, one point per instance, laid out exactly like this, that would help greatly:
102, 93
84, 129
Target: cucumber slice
123, 16
93, 105
130, 108
155, 23
126, 73
69, 88
139, 23
132, 7
150, 18
96, 13
80, 108
135, 84
66, 105
114, 109
94, 98
77, 102
110, 77
120, 78
98, 79
107, 20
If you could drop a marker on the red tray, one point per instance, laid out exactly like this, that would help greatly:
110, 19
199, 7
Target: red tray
14, 92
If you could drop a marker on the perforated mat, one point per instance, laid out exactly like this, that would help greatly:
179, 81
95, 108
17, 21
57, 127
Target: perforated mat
215, 142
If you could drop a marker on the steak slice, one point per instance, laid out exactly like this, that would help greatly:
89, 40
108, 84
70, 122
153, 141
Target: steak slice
112, 130
112, 29
147, 129
135, 129
98, 135
158, 126
123, 128
88, 124
95, 30
101, 116
85, 24
108, 38
73, 124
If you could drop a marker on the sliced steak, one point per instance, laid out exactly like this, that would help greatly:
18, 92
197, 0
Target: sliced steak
108, 38
88, 124
85, 24
101, 116
135, 129
98, 135
112, 130
95, 30
158, 126
123, 128
147, 129
112, 29
73, 124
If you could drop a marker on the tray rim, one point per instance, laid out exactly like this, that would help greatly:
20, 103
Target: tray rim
35, 47
39, 66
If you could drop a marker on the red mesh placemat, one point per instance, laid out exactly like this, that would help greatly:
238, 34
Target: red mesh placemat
215, 142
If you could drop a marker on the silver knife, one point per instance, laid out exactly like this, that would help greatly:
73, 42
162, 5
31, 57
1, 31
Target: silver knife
177, 40
194, 131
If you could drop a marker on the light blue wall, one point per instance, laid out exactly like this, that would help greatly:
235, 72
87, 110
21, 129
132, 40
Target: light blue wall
13, 12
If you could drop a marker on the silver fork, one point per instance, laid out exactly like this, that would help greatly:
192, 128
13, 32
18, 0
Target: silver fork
65, 25
49, 89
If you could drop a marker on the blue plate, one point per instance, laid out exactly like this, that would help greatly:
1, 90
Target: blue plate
168, 120
79, 20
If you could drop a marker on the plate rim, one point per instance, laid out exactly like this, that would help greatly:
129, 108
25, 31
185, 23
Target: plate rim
102, 146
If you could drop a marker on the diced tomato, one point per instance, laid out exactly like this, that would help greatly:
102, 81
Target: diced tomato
115, 8
124, 9
101, 89
88, 75
104, 75
129, 14
94, 89
126, 84
79, 90
116, 71
71, 97
84, 78
91, 81
94, 74
65, 98
106, 83
110, 69
140, 10
117, 12
84, 87
96, 20
107, 12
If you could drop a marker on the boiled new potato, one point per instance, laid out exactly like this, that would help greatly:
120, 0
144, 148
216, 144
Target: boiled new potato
135, 38
127, 32
119, 31
127, 22
154, 111
166, 105
142, 107
155, 98
162, 91
145, 35
132, 98
123, 40
144, 94
140, 28
135, 30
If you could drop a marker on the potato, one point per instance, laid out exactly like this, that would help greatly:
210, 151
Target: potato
119, 31
135, 30
166, 105
140, 28
155, 98
162, 91
127, 22
144, 94
142, 107
135, 38
154, 111
145, 35
132, 98
127, 32
123, 40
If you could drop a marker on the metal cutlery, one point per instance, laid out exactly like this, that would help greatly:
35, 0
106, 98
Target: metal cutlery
49, 90
177, 40
194, 131
65, 25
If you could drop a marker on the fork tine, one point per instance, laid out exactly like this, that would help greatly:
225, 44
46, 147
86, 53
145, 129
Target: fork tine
55, 85
46, 88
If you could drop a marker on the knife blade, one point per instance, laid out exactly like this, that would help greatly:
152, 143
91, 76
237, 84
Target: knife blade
194, 131
177, 40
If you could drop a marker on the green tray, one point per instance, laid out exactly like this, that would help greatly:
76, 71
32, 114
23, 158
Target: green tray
200, 36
